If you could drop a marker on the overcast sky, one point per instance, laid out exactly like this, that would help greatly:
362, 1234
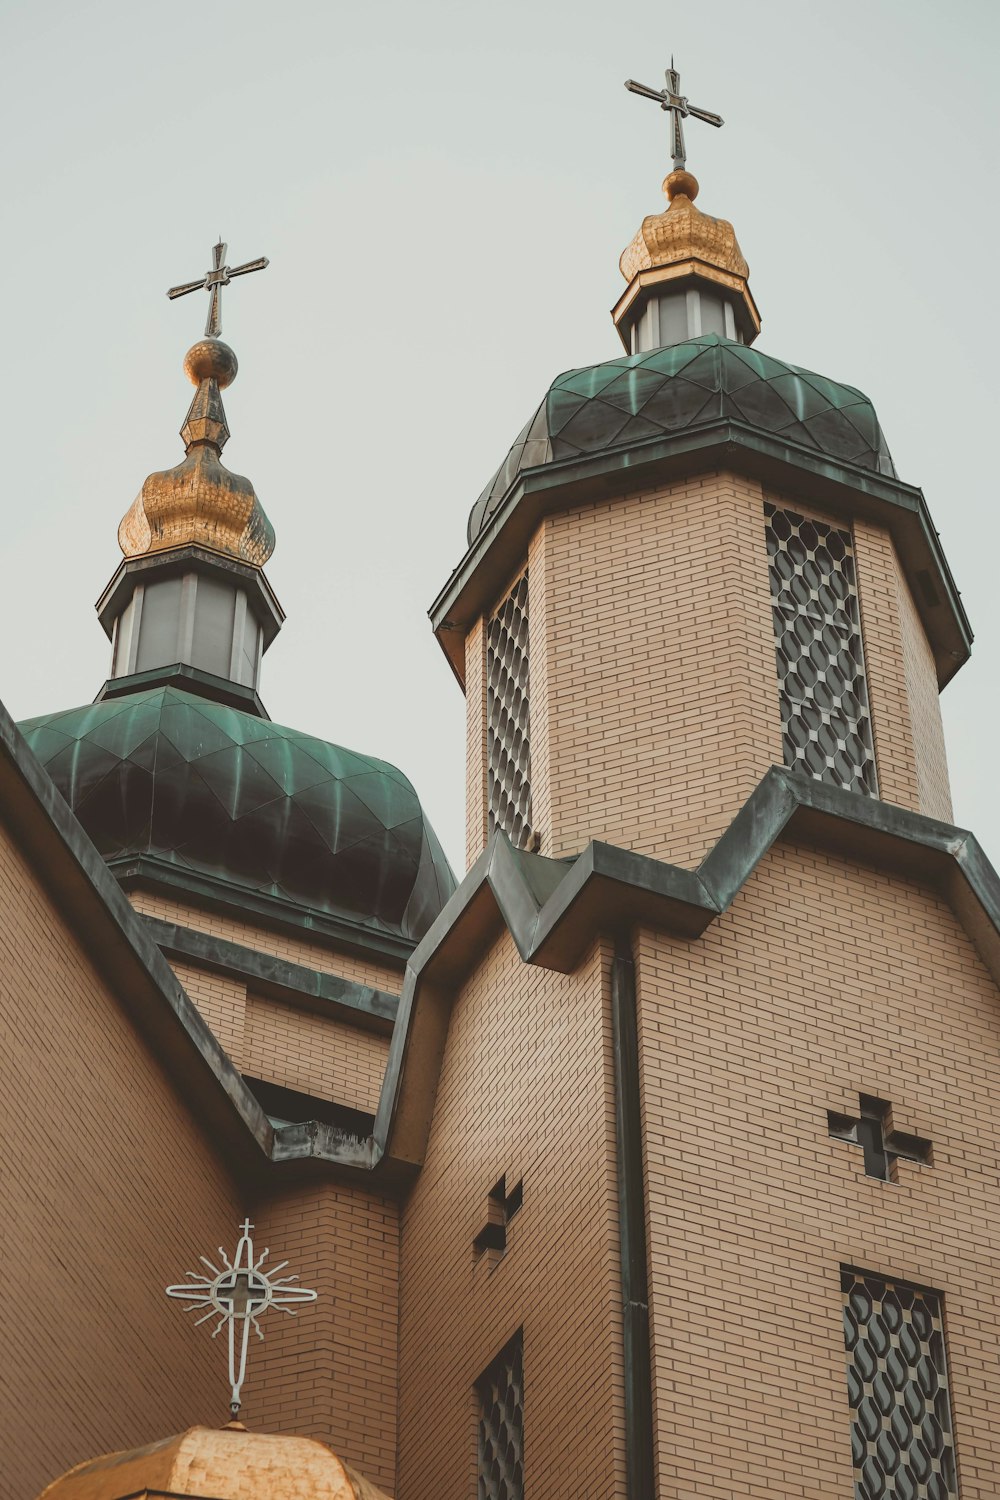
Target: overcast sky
443, 190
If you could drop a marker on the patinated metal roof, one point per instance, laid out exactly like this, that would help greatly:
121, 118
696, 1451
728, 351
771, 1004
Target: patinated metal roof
215, 793
640, 398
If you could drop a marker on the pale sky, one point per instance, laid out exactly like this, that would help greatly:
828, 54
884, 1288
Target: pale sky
443, 190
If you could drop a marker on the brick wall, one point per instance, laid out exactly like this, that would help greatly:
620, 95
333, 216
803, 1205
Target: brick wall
658, 653
933, 786
886, 666
300, 1049
330, 1372
113, 1192
526, 1091
654, 697
295, 1047
824, 980
326, 957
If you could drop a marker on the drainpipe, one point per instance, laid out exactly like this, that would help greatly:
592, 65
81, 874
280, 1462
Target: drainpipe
632, 1221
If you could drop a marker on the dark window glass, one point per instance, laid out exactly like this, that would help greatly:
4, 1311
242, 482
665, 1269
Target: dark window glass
825, 720
897, 1385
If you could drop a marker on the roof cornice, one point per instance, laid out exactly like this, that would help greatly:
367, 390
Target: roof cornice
552, 908
841, 488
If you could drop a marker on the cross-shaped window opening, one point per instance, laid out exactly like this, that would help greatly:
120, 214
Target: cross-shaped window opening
872, 1130
501, 1207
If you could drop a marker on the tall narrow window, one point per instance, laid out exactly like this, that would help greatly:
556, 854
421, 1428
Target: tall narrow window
825, 720
508, 750
501, 1425
897, 1385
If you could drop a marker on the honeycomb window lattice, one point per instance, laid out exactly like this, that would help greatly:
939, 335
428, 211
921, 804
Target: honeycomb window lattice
897, 1383
825, 718
501, 1425
508, 748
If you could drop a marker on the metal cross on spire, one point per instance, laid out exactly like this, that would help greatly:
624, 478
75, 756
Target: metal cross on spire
239, 1293
213, 281
673, 100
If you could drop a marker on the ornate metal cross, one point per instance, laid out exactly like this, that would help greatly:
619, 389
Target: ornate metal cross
673, 100
239, 1293
213, 281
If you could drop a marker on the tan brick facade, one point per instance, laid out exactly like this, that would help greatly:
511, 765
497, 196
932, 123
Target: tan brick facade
328, 957
331, 1372
525, 1091
654, 696
315, 1054
823, 981
933, 786
101, 1154
295, 1046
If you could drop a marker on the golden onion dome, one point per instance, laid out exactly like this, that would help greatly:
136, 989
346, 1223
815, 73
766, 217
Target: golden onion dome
679, 249
200, 502
683, 233
209, 1463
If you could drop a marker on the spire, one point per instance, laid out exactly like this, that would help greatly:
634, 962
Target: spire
201, 502
685, 270
190, 604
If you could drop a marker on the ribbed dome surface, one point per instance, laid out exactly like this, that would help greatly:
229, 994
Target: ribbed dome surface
211, 1464
642, 398
221, 794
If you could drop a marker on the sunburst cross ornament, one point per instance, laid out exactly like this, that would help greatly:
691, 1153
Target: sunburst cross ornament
240, 1293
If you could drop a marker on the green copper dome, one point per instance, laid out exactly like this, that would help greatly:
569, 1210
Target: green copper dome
235, 801
645, 397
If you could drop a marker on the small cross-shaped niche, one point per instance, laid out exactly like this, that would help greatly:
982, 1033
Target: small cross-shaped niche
501, 1207
882, 1145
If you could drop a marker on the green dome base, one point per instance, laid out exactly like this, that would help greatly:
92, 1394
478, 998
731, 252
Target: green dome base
639, 398
229, 801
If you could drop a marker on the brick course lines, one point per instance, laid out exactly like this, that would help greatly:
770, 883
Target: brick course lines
885, 666
223, 1003
659, 656
539, 611
325, 957
526, 1089
296, 1048
330, 1372
315, 1054
825, 979
113, 1192
933, 785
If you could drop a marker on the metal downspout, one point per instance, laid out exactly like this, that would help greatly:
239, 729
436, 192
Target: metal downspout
632, 1221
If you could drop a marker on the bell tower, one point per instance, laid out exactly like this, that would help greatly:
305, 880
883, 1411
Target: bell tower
190, 603
696, 562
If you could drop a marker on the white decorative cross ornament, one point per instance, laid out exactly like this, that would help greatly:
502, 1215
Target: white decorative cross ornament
240, 1293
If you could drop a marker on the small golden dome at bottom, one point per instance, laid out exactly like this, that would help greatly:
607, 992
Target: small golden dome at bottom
209, 1463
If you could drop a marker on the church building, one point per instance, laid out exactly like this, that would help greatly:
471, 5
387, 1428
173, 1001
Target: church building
651, 1156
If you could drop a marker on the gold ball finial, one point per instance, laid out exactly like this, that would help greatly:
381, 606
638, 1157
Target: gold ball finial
681, 184
211, 359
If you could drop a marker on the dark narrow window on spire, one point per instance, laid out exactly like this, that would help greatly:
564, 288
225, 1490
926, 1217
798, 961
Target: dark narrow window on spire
825, 719
508, 749
500, 1390
897, 1386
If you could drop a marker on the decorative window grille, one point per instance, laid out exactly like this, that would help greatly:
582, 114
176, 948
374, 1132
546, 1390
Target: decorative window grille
501, 1425
826, 724
508, 751
897, 1384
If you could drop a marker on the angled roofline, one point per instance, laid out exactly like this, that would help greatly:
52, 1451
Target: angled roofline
841, 488
121, 948
552, 908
